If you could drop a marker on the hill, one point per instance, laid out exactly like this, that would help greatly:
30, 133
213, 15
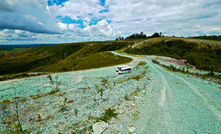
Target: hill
203, 54
62, 57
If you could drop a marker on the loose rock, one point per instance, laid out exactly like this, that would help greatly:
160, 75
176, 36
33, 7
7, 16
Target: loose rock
99, 127
131, 128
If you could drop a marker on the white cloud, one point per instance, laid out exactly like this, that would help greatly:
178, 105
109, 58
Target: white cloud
77, 9
163, 15
102, 28
26, 15
62, 26
29, 20
101, 31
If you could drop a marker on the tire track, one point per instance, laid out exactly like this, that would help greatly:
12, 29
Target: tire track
167, 119
207, 103
157, 106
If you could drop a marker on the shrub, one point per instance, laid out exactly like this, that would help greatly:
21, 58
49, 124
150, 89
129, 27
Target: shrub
54, 82
155, 61
141, 63
108, 114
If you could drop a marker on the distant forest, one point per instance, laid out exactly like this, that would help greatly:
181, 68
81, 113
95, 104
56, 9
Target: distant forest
142, 35
211, 37
22, 46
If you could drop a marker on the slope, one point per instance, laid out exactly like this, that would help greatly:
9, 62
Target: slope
23, 60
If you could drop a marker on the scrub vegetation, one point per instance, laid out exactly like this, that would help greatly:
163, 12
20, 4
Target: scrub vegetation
203, 56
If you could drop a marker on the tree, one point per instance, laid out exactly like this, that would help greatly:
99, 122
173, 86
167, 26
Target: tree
141, 34
144, 36
156, 35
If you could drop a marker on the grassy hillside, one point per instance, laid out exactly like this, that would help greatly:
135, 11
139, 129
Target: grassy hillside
201, 54
26, 59
63, 57
96, 60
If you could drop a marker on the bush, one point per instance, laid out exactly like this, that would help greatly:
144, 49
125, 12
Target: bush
141, 63
108, 114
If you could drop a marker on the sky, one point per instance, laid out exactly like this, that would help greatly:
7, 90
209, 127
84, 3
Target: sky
60, 21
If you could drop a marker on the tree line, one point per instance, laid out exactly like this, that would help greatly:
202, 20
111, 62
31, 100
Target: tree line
210, 37
141, 35
156, 34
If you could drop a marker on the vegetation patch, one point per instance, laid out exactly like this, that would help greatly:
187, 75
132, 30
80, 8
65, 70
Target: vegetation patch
141, 63
134, 93
108, 114
37, 96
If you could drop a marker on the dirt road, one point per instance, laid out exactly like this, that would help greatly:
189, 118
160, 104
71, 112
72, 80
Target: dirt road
176, 103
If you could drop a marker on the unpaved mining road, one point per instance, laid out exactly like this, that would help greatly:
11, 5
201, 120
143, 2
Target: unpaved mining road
176, 103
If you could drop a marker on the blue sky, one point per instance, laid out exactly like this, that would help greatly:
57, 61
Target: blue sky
58, 21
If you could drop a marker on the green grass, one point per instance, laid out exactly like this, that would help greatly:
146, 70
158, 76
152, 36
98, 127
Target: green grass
95, 60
